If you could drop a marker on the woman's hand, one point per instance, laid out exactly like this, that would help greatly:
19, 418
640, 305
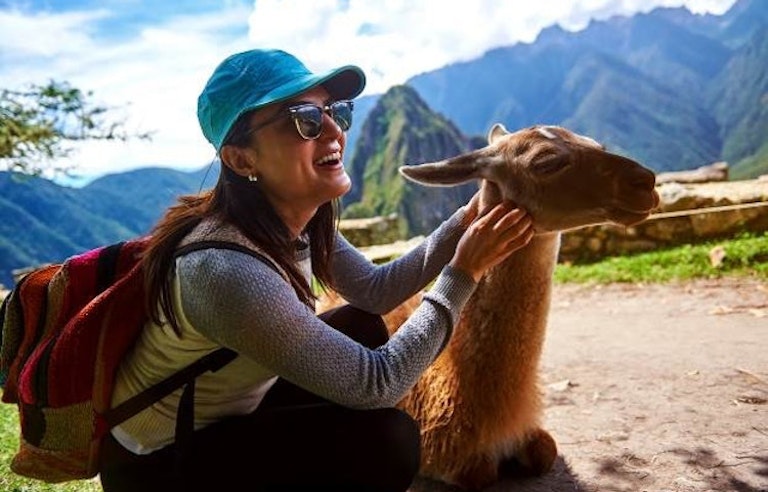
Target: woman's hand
491, 237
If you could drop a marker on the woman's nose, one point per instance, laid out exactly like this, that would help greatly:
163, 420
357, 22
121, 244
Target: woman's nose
330, 127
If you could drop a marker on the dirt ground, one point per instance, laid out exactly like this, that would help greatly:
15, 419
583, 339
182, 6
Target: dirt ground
655, 388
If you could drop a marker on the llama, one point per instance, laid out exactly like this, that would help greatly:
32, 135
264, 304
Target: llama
479, 404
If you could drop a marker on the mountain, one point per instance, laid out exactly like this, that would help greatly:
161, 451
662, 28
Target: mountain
42, 222
740, 100
671, 89
401, 130
658, 87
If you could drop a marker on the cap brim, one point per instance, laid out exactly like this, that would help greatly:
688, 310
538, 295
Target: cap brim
342, 83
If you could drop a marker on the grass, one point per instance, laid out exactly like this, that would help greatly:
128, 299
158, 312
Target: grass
746, 255
9, 442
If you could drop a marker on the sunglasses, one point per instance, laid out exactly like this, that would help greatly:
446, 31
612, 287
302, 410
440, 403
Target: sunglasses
308, 118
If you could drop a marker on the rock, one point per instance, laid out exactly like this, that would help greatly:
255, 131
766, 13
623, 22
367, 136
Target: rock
717, 171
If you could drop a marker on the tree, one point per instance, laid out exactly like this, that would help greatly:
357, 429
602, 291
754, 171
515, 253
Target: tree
39, 124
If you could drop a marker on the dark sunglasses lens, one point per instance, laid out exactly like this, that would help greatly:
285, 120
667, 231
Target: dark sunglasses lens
309, 118
342, 114
309, 121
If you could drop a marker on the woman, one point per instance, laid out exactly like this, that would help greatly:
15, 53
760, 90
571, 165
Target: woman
308, 404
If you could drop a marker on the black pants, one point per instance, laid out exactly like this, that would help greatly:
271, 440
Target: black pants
294, 441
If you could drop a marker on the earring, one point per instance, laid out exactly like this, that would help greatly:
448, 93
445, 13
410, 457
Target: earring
253, 178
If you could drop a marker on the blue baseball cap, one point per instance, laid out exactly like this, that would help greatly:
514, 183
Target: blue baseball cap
252, 79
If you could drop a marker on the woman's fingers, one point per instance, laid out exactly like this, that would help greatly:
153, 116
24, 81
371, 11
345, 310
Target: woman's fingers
502, 218
492, 237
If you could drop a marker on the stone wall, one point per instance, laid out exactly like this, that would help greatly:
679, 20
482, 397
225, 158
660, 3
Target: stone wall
372, 231
687, 213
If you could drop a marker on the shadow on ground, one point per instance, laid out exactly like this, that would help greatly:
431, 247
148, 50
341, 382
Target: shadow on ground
700, 470
561, 477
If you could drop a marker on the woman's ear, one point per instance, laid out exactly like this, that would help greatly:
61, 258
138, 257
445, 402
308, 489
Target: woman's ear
238, 160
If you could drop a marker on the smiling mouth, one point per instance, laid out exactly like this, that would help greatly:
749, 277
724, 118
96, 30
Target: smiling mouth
329, 160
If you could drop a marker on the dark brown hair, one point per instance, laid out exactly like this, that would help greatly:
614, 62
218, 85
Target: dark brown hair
238, 201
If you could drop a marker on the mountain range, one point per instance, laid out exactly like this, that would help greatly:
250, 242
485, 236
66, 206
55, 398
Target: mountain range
670, 89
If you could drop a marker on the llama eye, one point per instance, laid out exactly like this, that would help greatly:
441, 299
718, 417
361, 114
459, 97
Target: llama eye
548, 164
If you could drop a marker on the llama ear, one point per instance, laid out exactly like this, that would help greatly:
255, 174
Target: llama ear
453, 171
497, 131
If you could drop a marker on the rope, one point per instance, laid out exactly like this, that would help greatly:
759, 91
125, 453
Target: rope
707, 210
685, 213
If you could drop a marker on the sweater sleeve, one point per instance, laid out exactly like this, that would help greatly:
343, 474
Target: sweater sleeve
381, 288
241, 303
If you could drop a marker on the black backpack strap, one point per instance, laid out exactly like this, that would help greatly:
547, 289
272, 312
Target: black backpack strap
185, 428
130, 407
185, 377
211, 362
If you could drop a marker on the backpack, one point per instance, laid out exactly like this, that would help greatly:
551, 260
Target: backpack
64, 329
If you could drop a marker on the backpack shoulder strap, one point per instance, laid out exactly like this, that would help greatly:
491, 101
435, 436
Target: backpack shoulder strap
130, 407
209, 234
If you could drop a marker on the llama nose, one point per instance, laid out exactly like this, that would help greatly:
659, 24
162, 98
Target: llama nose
643, 179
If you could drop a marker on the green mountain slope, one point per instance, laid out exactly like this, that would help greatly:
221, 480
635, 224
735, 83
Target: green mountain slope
402, 130
638, 116
42, 222
740, 101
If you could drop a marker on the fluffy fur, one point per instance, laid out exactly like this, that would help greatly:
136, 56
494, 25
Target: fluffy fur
480, 404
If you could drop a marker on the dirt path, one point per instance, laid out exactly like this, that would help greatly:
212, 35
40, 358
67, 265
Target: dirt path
655, 388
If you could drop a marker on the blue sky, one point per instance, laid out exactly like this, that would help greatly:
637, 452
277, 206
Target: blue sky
149, 59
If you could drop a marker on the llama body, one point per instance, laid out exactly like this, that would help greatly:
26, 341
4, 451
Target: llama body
480, 405
480, 402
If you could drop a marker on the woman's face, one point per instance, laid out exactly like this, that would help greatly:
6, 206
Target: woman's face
299, 175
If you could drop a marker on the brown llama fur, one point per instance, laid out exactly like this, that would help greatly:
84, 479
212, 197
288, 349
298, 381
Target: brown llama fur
479, 404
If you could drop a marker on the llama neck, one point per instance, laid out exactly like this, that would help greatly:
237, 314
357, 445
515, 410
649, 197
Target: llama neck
502, 328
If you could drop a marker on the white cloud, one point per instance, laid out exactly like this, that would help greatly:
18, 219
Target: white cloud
45, 34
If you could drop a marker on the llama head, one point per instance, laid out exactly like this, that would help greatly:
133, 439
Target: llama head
562, 179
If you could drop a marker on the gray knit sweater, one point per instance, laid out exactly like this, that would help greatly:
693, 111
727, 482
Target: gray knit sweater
229, 298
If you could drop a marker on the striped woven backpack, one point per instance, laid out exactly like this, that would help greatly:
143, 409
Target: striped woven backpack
65, 329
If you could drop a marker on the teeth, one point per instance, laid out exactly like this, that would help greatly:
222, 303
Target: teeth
328, 158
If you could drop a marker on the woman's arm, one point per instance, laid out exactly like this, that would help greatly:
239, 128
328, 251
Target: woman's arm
381, 288
241, 303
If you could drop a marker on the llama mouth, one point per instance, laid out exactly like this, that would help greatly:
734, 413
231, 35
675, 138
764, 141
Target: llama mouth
629, 217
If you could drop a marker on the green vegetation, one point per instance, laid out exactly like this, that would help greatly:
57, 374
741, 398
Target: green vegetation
752, 166
38, 123
745, 255
9, 443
